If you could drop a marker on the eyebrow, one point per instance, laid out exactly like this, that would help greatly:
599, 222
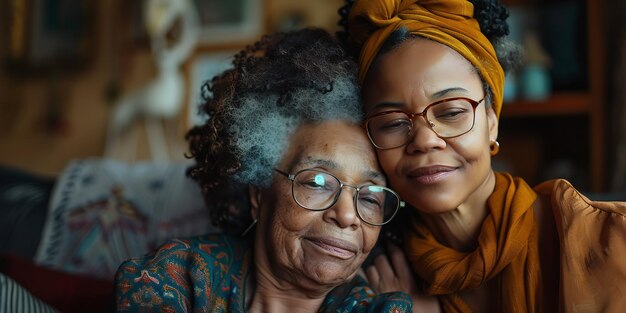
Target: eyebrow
435, 96
332, 165
445, 92
376, 175
388, 105
320, 162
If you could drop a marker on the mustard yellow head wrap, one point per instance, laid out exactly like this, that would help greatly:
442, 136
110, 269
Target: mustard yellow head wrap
449, 22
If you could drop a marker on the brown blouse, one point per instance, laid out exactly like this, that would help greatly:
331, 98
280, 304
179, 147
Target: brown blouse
592, 238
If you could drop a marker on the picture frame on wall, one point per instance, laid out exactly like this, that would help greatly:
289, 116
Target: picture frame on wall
49, 35
228, 22
204, 67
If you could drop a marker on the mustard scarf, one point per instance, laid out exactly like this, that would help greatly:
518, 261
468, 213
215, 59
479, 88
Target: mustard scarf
507, 250
449, 22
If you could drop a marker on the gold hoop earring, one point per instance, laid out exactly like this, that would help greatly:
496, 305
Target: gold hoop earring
245, 232
494, 147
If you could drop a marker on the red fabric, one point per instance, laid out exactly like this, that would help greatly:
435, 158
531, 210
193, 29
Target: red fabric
65, 292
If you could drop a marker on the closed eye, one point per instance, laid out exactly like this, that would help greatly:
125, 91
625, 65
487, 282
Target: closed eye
314, 185
451, 113
370, 200
396, 124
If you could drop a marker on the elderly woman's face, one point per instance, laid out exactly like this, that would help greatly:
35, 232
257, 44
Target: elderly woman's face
434, 175
317, 249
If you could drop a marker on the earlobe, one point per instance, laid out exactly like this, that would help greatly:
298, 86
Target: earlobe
255, 195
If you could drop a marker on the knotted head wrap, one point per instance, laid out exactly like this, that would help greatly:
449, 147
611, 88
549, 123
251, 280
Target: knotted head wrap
449, 22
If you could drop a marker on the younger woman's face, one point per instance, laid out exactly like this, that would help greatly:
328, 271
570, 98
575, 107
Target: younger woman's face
432, 174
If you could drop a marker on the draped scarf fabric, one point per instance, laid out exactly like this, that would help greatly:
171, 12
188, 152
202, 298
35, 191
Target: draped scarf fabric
507, 250
449, 22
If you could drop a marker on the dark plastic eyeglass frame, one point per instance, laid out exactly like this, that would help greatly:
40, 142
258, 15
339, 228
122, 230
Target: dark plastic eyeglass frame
292, 178
412, 116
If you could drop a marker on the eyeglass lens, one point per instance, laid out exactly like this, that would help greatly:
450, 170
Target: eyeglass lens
316, 190
447, 119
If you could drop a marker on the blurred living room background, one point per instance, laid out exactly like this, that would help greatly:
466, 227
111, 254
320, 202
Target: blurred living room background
122, 80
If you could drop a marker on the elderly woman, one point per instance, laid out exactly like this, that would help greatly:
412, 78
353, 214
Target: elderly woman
281, 153
432, 79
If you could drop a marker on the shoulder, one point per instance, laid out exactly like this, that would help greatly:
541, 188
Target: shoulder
592, 239
191, 252
578, 216
569, 202
172, 277
357, 296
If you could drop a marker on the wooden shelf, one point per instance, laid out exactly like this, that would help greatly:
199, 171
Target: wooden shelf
562, 103
564, 107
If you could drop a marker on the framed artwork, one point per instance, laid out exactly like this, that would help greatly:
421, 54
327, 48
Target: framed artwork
232, 21
49, 34
286, 15
203, 68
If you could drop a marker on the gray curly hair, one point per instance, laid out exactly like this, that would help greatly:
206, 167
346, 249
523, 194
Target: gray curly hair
277, 84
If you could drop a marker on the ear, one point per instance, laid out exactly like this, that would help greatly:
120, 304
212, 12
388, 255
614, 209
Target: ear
492, 120
255, 195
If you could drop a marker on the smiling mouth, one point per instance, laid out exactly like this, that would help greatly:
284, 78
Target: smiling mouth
431, 175
335, 249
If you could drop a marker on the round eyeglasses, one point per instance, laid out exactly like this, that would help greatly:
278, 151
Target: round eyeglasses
448, 118
316, 190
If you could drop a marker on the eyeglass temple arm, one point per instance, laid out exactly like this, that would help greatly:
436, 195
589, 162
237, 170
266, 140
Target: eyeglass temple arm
290, 176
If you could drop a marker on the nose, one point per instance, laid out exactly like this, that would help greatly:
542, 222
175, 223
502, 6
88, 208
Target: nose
423, 138
343, 213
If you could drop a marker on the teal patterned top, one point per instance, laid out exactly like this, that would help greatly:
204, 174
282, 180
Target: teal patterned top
208, 274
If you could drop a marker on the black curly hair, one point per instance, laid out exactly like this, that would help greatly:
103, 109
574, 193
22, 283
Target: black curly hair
276, 84
490, 14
